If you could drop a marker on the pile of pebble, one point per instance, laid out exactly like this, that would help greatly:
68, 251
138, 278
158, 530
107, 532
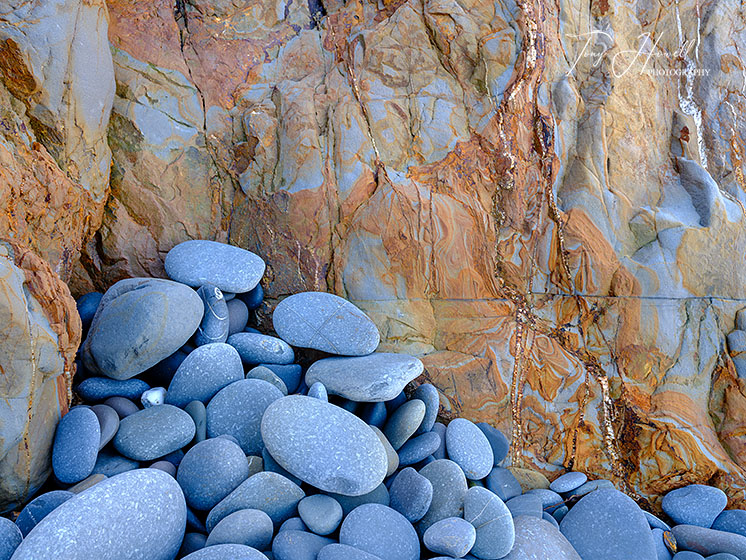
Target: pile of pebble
201, 438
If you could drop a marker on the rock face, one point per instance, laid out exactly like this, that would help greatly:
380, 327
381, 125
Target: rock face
40, 333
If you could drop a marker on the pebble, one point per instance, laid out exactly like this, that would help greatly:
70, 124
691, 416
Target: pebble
198, 413
403, 423
380, 495
111, 463
322, 514
154, 432
108, 422
529, 479
76, 445
237, 410
298, 545
238, 316
289, 373
122, 406
695, 504
493, 522
250, 527
140, 322
270, 492
226, 552
550, 500
411, 494
210, 471
688, 555
161, 374
440, 429
568, 482
536, 539
38, 508
324, 445
153, 397
87, 306
336, 551
374, 414
215, 322
273, 466
391, 456
261, 349
381, 531
10, 538
469, 448
525, 504
418, 448
731, 521
590, 486
165, 466
141, 512
608, 525
499, 443
547, 517
203, 373
325, 322
428, 394
709, 541
293, 524
661, 550
452, 536
449, 489
396, 402
266, 374
254, 297
655, 523
96, 389
503, 483
377, 377
318, 391
199, 261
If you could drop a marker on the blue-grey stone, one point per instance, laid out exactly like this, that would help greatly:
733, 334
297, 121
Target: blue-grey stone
403, 423
709, 541
418, 448
237, 411
76, 445
226, 552
688, 555
122, 406
266, 374
203, 373
174, 457
322, 514
318, 391
381, 531
298, 545
324, 445
452, 536
590, 486
138, 515
165, 466
548, 517
289, 373
238, 316
493, 522
154, 432
254, 297
469, 448
261, 349
192, 542
271, 465
499, 443
96, 389
270, 492
428, 394
559, 513
250, 527
379, 495
199, 261
411, 494
293, 524
210, 471
38, 508
695, 504
198, 413
440, 429
722, 556
655, 522
108, 423
396, 402
87, 306
215, 322
550, 500
503, 483
608, 525
374, 414
139, 322
661, 550
325, 322
110, 463
161, 374
731, 521
568, 482
536, 539
10, 538
449, 489
338, 551
525, 504
372, 378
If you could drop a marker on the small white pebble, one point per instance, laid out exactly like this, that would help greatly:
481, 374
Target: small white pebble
153, 397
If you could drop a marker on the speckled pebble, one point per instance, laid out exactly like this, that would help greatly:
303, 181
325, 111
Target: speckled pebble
154, 432
226, 552
452, 536
403, 423
411, 494
503, 483
38, 508
499, 443
261, 349
322, 514
469, 448
215, 322
298, 545
381, 531
76, 445
418, 448
250, 527
493, 521
695, 504
95, 389
449, 489
568, 482
266, 374
336, 551
203, 373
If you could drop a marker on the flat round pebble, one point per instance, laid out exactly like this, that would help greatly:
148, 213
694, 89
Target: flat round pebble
95, 389
210, 471
688, 555
428, 394
418, 448
198, 261
250, 527
215, 323
237, 410
655, 522
709, 541
10, 538
550, 500
495, 533
449, 489
142, 513
261, 349
238, 316
377, 377
503, 483
266, 374
695, 504
76, 445
154, 432
336, 551
608, 525
325, 322
452, 536
732, 521
403, 423
568, 482
411, 494
324, 445
469, 448
38, 508
381, 531
536, 539
122, 406
298, 545
203, 373
226, 552
321, 514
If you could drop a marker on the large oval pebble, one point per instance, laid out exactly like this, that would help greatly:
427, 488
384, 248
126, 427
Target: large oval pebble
492, 520
469, 448
695, 504
154, 432
381, 531
324, 445
138, 515
449, 488
373, 378
204, 372
226, 552
325, 322
230, 268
